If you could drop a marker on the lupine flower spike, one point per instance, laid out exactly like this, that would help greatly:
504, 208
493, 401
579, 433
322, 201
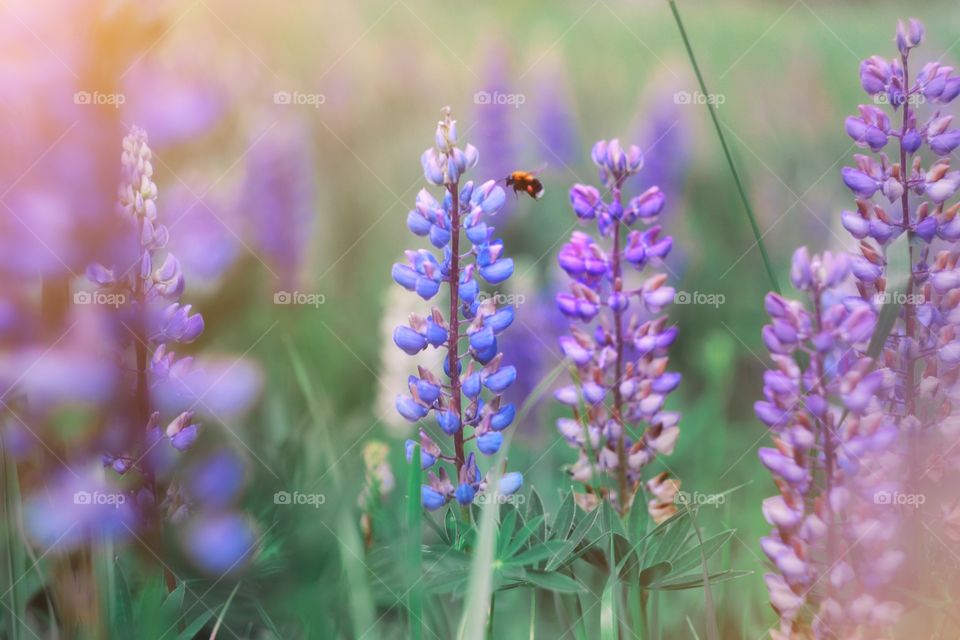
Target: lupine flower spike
467, 397
620, 356
152, 319
909, 192
831, 545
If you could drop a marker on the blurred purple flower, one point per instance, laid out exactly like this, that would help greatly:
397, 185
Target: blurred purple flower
78, 508
220, 543
278, 201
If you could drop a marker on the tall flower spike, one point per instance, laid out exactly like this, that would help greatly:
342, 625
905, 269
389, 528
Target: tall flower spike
468, 394
911, 193
153, 320
620, 357
830, 543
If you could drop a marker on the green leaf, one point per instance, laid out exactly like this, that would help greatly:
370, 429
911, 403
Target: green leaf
538, 553
695, 580
655, 572
585, 524
14, 558
553, 581
612, 521
123, 623
534, 509
451, 527
636, 522
506, 531
173, 603
564, 518
608, 609
194, 627
691, 558
223, 612
521, 538
669, 538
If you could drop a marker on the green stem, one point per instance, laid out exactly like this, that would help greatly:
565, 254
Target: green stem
493, 604
726, 151
414, 541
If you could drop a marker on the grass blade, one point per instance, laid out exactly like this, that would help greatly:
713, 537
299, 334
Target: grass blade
414, 542
726, 150
351, 547
480, 586
710, 611
15, 563
223, 612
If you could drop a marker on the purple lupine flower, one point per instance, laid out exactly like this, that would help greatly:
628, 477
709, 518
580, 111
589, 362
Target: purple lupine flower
621, 357
151, 320
831, 456
495, 117
278, 197
920, 353
555, 121
471, 320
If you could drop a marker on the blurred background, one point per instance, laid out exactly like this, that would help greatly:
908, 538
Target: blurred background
287, 139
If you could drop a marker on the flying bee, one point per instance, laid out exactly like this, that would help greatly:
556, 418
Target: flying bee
527, 182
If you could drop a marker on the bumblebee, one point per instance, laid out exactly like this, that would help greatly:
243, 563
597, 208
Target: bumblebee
526, 182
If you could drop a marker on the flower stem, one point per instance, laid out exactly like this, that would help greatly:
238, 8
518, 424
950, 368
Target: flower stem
618, 368
453, 360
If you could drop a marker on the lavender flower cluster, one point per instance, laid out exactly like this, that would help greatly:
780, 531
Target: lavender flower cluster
868, 428
464, 396
154, 317
621, 362
830, 544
